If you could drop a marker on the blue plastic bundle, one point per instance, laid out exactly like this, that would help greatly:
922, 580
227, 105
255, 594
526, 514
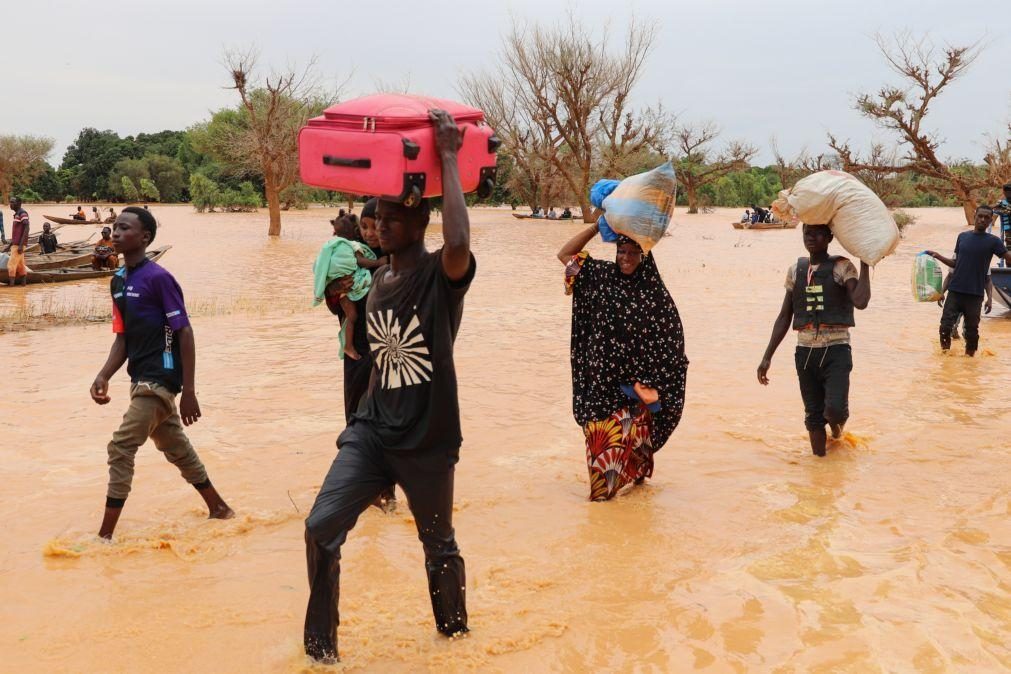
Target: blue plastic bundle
600, 191
640, 207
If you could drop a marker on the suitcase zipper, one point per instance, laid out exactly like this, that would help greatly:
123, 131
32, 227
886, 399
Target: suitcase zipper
371, 124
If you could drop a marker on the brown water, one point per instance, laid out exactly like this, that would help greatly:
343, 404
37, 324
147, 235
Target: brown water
744, 553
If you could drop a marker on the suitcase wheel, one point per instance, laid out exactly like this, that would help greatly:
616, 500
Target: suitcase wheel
485, 188
413, 197
486, 182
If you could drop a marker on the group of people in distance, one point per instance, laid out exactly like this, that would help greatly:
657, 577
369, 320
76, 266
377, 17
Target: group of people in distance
628, 361
552, 214
103, 257
755, 215
96, 216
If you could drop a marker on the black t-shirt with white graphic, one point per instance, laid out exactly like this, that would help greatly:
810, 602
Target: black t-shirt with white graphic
412, 324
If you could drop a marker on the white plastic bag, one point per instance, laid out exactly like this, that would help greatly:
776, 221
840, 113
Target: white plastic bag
858, 218
928, 277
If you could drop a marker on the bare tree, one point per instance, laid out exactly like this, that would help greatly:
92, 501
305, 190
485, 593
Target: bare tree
876, 171
998, 159
697, 164
21, 160
524, 140
538, 184
804, 164
902, 110
275, 110
563, 98
398, 86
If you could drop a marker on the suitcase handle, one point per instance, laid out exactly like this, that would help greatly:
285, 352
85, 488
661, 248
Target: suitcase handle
330, 160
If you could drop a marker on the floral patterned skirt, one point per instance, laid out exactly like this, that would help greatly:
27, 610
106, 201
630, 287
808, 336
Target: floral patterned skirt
618, 451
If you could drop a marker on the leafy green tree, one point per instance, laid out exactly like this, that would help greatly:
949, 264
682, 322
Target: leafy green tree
130, 191
46, 183
30, 196
245, 199
168, 174
93, 155
67, 176
753, 186
133, 169
194, 160
250, 195
149, 190
297, 196
164, 142
204, 192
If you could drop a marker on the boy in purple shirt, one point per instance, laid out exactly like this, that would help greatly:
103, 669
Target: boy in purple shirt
154, 338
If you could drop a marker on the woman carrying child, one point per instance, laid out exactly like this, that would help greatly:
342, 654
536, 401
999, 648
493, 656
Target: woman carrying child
357, 368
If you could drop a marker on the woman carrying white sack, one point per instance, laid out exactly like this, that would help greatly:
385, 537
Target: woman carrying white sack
823, 290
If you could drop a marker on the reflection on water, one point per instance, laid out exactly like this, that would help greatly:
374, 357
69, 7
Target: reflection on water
744, 553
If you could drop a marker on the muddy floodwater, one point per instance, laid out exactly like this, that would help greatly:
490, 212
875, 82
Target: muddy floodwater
744, 553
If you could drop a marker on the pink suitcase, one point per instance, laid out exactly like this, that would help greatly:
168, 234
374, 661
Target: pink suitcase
384, 145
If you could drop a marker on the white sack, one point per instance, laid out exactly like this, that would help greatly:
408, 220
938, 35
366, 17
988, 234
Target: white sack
860, 221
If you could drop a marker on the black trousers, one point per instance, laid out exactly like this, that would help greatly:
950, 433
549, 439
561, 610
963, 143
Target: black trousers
969, 306
356, 384
360, 472
824, 376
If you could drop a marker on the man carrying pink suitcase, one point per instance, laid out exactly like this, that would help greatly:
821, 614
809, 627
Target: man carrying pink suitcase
407, 429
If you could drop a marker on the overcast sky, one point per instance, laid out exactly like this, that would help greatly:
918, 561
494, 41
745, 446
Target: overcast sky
783, 68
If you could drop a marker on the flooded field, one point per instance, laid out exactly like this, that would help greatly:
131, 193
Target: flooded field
744, 553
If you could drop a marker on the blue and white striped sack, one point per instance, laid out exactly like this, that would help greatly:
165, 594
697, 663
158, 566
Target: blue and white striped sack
642, 205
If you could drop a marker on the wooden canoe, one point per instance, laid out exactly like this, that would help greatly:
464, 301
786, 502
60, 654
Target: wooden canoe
71, 221
764, 225
58, 260
80, 273
63, 247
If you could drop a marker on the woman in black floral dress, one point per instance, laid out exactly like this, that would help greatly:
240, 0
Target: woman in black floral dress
628, 361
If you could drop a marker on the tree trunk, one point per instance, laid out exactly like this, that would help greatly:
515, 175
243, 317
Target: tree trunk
968, 205
693, 198
587, 208
351, 203
273, 207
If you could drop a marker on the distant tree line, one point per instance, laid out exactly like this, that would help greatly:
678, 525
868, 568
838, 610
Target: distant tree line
560, 101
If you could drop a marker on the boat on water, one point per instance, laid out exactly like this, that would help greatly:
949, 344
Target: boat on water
1001, 277
71, 221
79, 273
527, 216
70, 246
764, 225
58, 260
